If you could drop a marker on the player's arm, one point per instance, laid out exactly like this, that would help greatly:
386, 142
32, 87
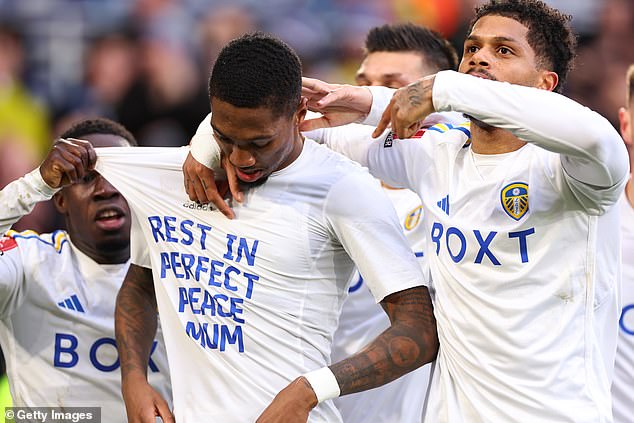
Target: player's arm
367, 227
591, 150
67, 162
135, 328
592, 154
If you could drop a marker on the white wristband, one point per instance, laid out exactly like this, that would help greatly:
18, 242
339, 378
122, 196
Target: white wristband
205, 150
324, 384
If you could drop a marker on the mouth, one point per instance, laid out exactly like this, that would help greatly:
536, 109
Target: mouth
481, 73
110, 218
249, 175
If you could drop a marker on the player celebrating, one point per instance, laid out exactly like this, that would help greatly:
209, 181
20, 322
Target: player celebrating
520, 219
57, 291
623, 385
250, 305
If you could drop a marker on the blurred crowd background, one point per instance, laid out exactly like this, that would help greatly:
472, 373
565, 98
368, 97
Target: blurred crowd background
145, 63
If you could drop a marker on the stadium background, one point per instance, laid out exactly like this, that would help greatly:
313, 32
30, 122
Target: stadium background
145, 63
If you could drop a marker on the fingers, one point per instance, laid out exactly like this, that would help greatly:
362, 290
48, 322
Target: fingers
386, 118
200, 185
164, 411
232, 178
91, 155
68, 161
315, 86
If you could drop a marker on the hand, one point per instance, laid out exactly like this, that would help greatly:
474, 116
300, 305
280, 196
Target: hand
291, 405
339, 104
408, 108
68, 161
143, 404
204, 186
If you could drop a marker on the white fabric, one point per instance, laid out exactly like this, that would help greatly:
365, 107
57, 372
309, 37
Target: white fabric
57, 318
19, 197
324, 384
520, 291
362, 320
623, 384
284, 262
203, 145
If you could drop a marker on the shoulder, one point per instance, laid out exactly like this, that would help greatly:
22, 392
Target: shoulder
448, 132
54, 242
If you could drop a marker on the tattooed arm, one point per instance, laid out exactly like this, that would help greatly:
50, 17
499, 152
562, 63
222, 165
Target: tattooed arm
135, 328
409, 342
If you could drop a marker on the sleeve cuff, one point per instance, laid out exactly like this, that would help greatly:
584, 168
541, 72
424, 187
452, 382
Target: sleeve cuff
205, 150
441, 93
35, 180
324, 384
381, 97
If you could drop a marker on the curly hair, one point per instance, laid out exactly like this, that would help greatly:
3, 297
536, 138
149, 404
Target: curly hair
438, 52
99, 126
549, 33
258, 70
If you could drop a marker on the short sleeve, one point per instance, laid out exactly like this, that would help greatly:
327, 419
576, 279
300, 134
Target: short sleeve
365, 222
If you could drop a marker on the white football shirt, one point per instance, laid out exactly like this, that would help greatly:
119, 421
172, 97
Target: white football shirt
623, 384
248, 305
362, 320
523, 251
57, 316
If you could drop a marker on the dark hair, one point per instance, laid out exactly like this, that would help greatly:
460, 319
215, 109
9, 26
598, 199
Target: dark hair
629, 80
99, 126
549, 33
437, 51
258, 70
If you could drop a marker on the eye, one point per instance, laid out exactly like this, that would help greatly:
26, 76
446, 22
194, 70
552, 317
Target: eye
504, 50
261, 144
471, 49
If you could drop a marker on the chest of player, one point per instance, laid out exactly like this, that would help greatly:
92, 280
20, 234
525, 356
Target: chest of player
502, 214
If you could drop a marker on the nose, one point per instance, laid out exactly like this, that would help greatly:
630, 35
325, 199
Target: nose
480, 58
103, 189
241, 157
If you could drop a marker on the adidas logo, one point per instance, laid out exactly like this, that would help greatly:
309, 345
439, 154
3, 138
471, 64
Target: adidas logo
444, 204
72, 303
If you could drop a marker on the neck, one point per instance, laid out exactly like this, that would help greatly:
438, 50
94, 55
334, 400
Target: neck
295, 151
105, 254
486, 139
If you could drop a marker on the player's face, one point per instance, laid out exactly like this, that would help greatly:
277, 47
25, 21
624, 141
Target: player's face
97, 215
497, 49
254, 140
391, 69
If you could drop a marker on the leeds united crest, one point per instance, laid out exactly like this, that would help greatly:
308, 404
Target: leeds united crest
514, 199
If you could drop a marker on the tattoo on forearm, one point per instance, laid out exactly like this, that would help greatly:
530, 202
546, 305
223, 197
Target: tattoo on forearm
408, 343
135, 320
417, 92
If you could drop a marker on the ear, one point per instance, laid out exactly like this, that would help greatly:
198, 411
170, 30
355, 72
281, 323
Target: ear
60, 202
548, 80
302, 109
625, 125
